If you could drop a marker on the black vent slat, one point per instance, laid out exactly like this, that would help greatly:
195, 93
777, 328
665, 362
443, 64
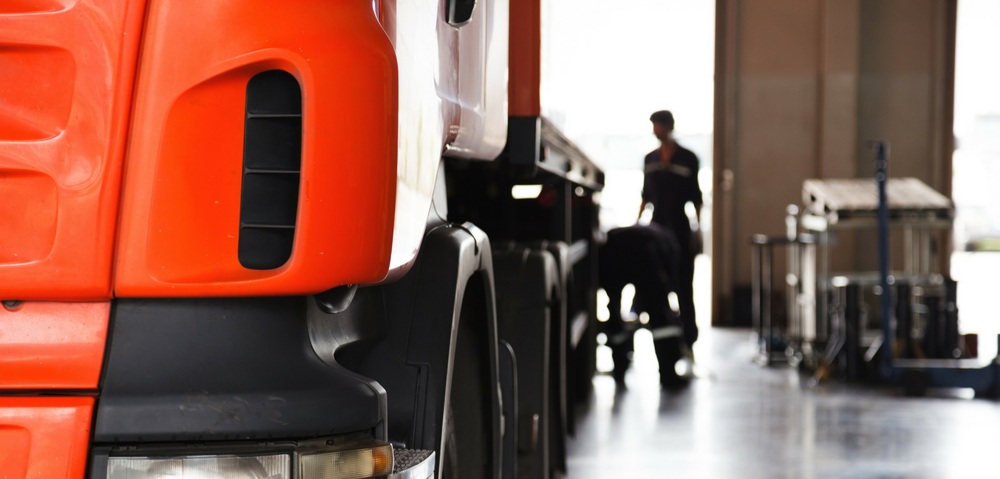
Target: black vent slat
274, 200
272, 115
261, 226
271, 142
253, 241
272, 162
276, 92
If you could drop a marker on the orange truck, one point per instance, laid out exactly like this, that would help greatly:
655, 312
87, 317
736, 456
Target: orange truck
228, 251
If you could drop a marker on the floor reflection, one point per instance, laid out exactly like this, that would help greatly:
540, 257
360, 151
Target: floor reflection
740, 420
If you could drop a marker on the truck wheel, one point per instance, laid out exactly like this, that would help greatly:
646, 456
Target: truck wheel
468, 437
449, 462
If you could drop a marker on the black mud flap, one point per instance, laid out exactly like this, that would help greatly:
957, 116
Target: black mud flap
438, 360
508, 388
527, 287
560, 418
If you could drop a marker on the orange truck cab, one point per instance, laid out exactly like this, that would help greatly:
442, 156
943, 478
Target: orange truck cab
228, 247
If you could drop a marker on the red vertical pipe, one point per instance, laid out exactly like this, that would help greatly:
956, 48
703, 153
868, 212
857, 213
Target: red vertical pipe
525, 57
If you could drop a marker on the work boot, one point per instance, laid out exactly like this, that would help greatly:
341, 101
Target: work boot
668, 352
685, 365
621, 353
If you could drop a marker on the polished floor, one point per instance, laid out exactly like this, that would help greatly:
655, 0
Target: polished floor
738, 420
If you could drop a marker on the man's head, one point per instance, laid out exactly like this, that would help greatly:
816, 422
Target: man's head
663, 124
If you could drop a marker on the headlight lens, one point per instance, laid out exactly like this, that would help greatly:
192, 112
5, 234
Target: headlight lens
352, 464
200, 467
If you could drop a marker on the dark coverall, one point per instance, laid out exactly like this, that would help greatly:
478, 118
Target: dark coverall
669, 188
646, 257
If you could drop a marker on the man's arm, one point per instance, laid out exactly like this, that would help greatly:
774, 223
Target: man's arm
645, 194
696, 197
697, 241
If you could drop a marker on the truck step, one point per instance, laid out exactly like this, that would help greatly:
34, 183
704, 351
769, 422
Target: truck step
413, 464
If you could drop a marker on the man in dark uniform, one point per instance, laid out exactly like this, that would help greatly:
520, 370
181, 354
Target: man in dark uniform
645, 257
669, 184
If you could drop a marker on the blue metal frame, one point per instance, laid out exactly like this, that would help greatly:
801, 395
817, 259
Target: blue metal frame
930, 373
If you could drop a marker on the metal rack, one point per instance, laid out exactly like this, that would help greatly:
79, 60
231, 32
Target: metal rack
781, 343
907, 204
852, 204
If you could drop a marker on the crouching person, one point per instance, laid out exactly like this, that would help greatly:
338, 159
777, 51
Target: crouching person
647, 257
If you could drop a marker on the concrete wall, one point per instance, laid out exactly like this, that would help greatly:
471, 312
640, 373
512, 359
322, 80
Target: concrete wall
802, 86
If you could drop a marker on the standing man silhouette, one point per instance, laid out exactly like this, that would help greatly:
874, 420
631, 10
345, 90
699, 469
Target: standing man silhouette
669, 184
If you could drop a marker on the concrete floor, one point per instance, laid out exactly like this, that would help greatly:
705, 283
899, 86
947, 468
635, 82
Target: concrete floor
738, 420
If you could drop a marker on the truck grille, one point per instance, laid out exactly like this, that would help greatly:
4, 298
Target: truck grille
272, 159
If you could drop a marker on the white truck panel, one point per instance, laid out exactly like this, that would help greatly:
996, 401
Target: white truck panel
452, 100
482, 92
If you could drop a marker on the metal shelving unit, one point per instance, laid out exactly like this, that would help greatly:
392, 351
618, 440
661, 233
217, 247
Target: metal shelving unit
852, 204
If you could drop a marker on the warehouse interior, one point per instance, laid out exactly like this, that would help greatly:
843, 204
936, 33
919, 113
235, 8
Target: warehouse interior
797, 91
504, 239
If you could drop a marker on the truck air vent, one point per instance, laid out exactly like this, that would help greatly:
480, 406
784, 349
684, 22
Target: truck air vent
272, 161
460, 11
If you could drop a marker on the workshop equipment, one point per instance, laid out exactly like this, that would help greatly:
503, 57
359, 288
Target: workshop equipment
916, 375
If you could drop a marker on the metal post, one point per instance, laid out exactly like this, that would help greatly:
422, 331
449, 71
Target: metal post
904, 319
768, 277
935, 335
881, 178
951, 318
755, 275
852, 330
823, 279
926, 251
793, 282
911, 250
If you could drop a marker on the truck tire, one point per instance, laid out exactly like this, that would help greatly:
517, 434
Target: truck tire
467, 442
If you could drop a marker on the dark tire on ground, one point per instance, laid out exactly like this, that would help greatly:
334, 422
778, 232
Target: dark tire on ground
449, 462
468, 438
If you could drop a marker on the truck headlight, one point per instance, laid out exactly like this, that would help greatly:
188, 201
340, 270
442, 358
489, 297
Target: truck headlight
201, 467
351, 464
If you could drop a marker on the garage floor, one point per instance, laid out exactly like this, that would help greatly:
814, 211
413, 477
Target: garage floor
738, 420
